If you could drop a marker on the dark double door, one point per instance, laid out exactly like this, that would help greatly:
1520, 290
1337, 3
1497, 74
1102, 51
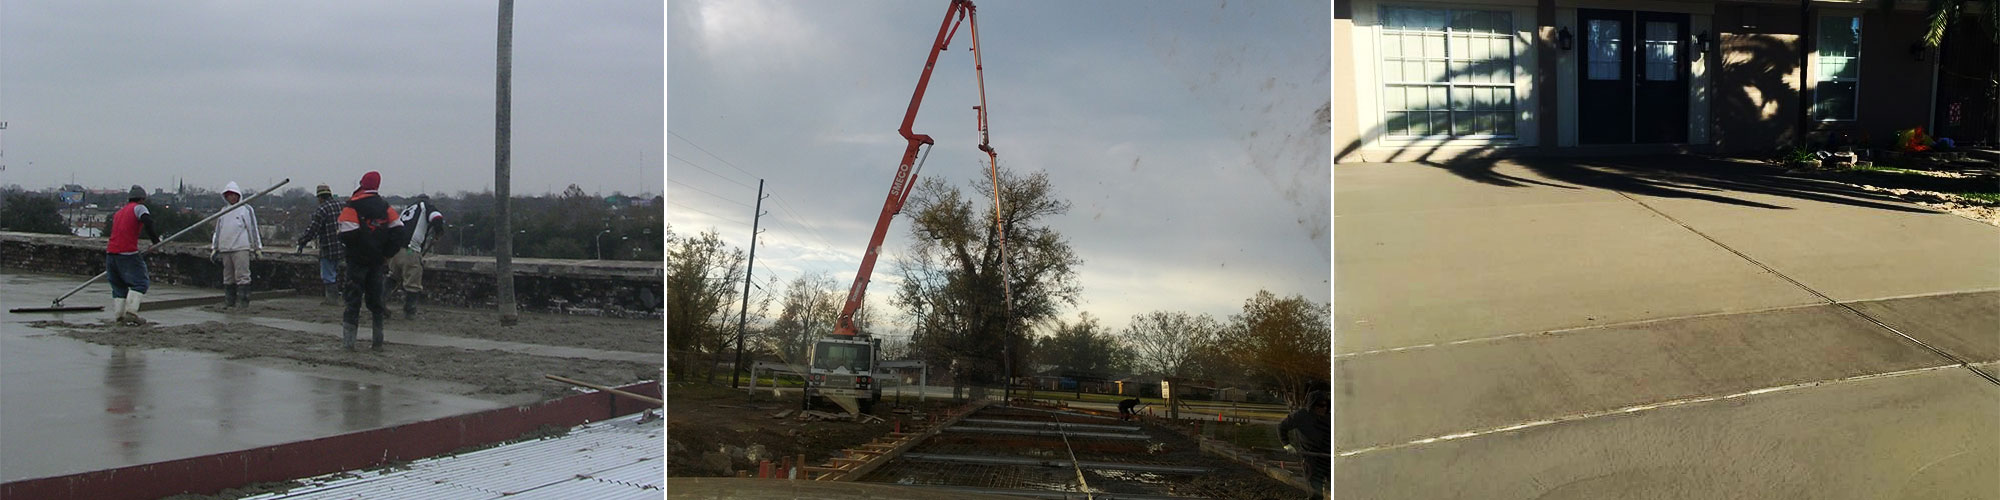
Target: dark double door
1632, 78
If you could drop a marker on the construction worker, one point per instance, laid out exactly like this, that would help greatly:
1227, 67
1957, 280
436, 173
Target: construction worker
1315, 440
124, 263
324, 228
236, 241
371, 233
425, 224
1128, 409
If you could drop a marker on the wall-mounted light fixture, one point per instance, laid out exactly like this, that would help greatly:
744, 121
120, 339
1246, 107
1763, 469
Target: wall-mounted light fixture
1917, 50
1701, 42
1564, 40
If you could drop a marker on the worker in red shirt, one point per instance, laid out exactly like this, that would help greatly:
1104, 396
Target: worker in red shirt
371, 232
124, 262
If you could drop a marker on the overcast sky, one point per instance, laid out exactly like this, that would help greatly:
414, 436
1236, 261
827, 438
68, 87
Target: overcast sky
1184, 134
116, 93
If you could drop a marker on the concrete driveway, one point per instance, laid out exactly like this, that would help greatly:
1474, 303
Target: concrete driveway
1661, 327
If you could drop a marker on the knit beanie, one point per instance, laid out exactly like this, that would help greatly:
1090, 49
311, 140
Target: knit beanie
371, 181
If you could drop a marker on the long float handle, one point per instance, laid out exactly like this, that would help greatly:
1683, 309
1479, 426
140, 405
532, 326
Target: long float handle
239, 203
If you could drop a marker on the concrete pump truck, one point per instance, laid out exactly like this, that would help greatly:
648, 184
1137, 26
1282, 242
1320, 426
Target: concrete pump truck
845, 365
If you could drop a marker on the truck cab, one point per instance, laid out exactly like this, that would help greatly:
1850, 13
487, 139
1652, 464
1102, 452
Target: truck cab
846, 368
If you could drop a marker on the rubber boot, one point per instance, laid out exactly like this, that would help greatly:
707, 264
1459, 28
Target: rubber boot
376, 345
229, 296
117, 309
132, 301
347, 335
332, 294
243, 296
409, 305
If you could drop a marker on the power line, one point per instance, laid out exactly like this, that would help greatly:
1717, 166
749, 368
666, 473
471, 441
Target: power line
709, 213
704, 191
713, 155
705, 169
787, 208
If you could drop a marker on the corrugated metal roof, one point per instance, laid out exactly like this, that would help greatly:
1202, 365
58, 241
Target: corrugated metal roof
620, 458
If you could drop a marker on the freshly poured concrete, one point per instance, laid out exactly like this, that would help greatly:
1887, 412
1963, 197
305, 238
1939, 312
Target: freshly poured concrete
1851, 252
68, 406
1770, 393
1397, 397
1927, 435
1515, 259
1964, 325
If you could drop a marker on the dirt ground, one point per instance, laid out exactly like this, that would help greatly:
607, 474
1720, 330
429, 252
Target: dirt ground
711, 420
613, 334
492, 373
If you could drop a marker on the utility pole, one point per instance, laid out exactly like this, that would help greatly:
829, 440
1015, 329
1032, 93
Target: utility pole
503, 244
756, 216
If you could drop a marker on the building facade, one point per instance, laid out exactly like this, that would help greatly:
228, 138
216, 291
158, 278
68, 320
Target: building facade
1423, 80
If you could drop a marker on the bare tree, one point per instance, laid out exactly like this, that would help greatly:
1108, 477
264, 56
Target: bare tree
1166, 342
806, 312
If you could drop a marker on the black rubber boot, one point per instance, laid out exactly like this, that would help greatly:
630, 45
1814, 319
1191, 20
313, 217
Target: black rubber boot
229, 296
410, 305
347, 331
243, 296
332, 294
377, 344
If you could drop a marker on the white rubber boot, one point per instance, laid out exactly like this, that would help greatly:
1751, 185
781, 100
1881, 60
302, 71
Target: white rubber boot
132, 301
117, 309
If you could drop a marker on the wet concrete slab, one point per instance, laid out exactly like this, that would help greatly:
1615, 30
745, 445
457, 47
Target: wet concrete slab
1925, 435
176, 317
68, 406
1420, 274
1967, 325
1504, 382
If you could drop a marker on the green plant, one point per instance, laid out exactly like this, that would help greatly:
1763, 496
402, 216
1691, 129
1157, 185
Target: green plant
1795, 155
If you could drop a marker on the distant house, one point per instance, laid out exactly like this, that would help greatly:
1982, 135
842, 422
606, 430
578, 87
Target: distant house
1231, 394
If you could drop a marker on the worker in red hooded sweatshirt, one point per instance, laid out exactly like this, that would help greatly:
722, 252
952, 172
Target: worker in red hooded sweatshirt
371, 232
124, 262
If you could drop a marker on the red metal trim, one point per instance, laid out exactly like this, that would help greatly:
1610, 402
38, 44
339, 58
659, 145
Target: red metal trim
356, 450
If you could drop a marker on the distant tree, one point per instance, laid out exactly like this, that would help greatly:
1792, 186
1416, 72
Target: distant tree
1083, 349
32, 213
806, 313
952, 282
1167, 342
1285, 343
703, 276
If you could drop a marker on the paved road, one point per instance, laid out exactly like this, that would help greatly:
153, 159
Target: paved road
1658, 328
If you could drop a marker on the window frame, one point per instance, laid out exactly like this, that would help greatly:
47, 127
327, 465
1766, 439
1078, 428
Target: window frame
1384, 84
1819, 73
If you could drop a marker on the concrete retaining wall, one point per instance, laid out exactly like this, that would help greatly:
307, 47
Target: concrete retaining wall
624, 289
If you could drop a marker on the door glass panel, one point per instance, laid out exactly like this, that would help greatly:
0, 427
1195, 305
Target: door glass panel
1603, 39
1662, 51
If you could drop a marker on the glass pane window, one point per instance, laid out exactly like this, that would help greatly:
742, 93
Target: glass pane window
1839, 36
1662, 51
1838, 70
1835, 101
1603, 39
1444, 69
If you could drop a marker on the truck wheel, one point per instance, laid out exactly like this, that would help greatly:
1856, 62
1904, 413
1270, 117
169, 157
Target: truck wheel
867, 406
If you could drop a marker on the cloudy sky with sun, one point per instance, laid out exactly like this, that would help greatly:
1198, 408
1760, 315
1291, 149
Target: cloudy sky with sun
1189, 137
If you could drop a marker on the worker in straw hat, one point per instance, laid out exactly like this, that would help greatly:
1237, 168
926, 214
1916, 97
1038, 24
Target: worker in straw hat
324, 228
124, 262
